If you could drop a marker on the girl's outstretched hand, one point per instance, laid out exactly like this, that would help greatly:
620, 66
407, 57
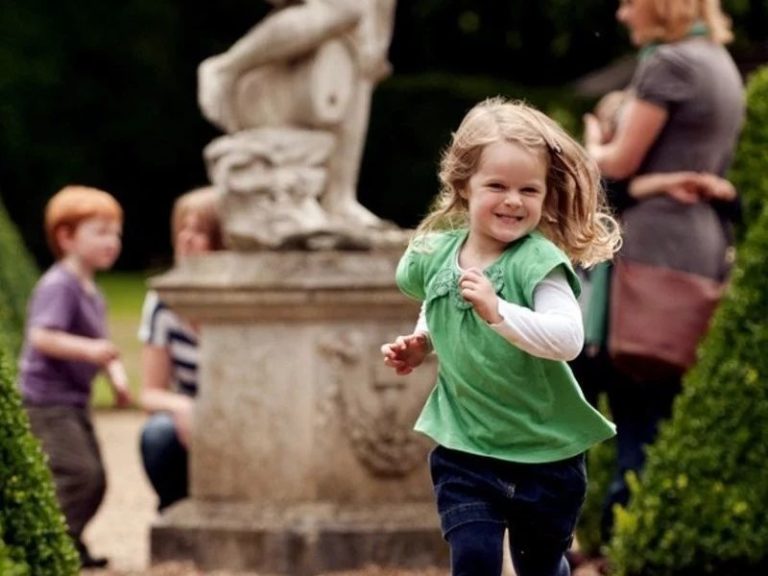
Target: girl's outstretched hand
478, 291
406, 352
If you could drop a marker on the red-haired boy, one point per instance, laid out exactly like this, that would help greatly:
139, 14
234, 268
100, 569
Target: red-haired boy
66, 345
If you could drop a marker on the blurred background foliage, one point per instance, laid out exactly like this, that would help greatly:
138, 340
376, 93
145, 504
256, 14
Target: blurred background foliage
104, 94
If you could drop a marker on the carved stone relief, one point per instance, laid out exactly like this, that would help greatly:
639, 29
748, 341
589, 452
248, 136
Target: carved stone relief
377, 407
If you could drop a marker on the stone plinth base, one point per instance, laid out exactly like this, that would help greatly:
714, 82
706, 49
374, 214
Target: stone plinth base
301, 540
303, 458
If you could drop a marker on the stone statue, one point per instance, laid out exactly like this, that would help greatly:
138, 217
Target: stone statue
303, 459
294, 97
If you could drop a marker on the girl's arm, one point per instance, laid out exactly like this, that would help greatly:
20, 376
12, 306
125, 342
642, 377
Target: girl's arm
156, 395
421, 322
553, 329
156, 366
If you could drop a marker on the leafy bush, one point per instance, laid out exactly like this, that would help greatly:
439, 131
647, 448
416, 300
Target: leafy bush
7, 566
749, 168
32, 527
17, 278
700, 506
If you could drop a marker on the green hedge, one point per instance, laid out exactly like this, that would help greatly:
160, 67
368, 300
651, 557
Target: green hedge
8, 567
749, 173
33, 530
700, 506
17, 278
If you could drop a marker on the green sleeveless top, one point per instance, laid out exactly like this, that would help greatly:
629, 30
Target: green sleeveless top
491, 398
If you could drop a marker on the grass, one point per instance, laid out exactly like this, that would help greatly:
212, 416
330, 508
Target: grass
124, 292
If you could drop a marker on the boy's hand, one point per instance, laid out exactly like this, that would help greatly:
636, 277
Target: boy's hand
101, 352
478, 290
123, 398
118, 377
406, 352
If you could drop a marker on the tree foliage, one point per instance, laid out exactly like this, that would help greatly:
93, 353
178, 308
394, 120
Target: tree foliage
104, 93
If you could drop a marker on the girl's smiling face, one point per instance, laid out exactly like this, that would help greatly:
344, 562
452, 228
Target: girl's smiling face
505, 195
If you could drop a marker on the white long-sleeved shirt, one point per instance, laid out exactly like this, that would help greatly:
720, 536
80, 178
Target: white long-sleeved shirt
552, 330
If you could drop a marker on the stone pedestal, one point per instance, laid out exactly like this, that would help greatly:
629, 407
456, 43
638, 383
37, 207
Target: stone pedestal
302, 459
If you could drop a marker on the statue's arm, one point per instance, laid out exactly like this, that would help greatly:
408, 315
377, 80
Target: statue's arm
290, 32
374, 37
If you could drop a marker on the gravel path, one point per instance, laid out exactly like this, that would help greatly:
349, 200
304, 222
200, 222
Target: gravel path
120, 530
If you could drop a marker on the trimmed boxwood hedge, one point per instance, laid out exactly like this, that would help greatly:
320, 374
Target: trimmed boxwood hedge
749, 167
33, 530
700, 505
7, 566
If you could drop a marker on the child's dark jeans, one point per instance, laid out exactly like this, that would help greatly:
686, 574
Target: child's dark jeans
478, 497
68, 439
165, 459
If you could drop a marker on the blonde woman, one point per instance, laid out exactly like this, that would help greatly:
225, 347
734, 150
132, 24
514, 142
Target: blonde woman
684, 112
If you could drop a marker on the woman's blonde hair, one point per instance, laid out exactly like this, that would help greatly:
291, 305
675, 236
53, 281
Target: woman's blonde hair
203, 202
676, 17
575, 216
71, 205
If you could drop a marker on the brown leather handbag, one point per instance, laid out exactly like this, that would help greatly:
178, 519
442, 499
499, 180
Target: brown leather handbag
658, 316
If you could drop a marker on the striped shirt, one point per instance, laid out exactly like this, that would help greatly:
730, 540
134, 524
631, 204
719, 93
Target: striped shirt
160, 326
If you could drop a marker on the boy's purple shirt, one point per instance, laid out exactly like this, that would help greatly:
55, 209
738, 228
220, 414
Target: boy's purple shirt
60, 302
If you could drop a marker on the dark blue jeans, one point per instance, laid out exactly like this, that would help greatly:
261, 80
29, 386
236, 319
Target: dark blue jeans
165, 459
478, 498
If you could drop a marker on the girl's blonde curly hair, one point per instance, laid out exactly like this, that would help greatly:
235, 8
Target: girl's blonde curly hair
575, 216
